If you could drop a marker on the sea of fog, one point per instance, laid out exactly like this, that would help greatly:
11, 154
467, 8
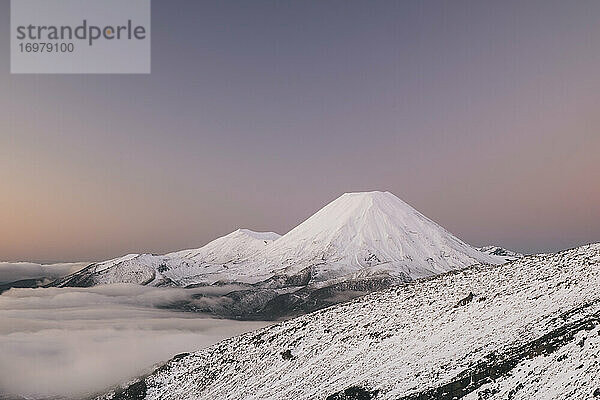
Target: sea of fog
73, 342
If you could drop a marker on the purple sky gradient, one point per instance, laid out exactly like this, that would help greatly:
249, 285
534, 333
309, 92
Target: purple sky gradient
483, 115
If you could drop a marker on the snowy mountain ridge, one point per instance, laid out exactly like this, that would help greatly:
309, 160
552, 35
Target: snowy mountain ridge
181, 268
358, 234
357, 244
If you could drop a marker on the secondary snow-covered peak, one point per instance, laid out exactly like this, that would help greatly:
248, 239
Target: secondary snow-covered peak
375, 230
110, 263
268, 236
207, 264
238, 244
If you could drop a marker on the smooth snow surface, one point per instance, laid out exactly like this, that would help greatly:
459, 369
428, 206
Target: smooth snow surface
529, 329
356, 235
370, 232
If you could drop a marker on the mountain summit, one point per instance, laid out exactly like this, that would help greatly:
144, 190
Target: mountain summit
369, 232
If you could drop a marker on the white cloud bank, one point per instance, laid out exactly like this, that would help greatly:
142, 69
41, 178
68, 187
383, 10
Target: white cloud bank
72, 342
11, 272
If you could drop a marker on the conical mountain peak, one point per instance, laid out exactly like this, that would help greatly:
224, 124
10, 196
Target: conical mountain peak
376, 231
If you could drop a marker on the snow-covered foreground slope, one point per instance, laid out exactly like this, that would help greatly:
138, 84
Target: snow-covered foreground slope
529, 329
357, 235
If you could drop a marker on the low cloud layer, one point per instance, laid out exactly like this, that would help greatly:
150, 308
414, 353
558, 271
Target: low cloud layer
11, 272
72, 342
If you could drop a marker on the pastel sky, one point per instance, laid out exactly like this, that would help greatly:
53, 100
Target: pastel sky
483, 115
